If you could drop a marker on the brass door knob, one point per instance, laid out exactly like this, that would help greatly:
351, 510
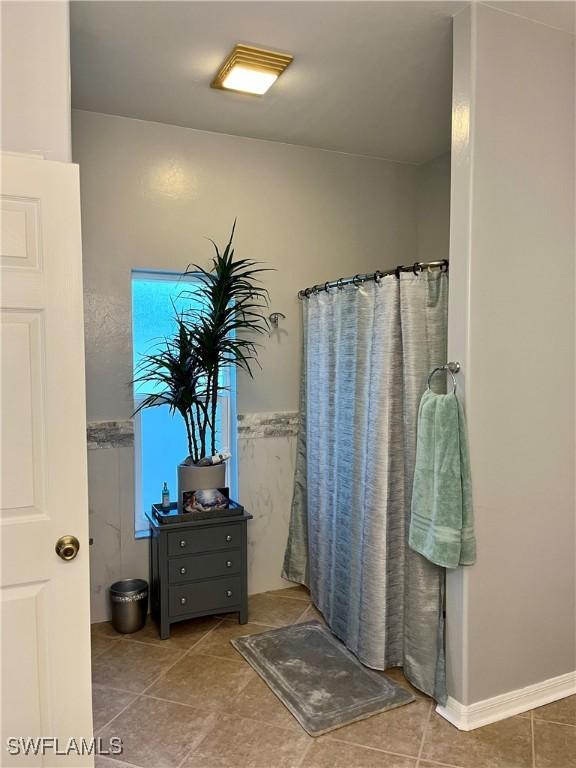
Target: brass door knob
67, 547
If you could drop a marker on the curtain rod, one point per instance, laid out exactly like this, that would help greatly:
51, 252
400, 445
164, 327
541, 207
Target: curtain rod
418, 266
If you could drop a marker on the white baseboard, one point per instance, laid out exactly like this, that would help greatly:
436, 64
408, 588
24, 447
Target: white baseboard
471, 716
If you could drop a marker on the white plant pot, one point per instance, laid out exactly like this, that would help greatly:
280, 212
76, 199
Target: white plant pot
193, 478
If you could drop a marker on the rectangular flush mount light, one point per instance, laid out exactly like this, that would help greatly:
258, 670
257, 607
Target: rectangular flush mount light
251, 70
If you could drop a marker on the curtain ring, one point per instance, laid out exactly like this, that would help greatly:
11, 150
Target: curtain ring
327, 287
416, 267
444, 266
397, 272
339, 284
356, 280
307, 292
378, 277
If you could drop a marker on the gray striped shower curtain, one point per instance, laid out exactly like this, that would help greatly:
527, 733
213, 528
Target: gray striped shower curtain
366, 356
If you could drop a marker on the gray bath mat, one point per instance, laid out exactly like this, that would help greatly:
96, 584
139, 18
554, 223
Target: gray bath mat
317, 678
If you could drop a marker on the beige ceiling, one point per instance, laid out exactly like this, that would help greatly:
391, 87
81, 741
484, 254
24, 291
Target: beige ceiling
560, 14
371, 78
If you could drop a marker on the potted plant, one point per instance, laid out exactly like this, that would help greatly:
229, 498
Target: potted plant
185, 371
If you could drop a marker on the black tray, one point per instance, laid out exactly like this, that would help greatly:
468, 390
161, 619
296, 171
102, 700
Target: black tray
166, 517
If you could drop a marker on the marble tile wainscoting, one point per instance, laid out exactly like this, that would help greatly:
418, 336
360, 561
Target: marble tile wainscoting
266, 459
266, 455
115, 553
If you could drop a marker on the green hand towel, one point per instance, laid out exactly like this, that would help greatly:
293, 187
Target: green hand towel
442, 524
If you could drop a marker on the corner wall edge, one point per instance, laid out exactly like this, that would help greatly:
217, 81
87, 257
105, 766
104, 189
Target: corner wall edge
471, 716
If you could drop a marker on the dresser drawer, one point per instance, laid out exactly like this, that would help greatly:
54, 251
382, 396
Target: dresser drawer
204, 539
204, 596
205, 566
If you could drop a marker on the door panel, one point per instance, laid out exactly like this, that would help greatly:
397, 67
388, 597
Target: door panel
44, 601
22, 439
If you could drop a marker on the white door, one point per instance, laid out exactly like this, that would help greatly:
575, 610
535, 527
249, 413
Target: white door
44, 599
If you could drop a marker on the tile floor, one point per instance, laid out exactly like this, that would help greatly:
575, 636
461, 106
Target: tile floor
193, 702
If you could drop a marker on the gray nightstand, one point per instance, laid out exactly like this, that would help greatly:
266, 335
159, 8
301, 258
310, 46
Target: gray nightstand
198, 568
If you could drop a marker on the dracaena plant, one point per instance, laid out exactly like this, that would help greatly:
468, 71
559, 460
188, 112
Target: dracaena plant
185, 371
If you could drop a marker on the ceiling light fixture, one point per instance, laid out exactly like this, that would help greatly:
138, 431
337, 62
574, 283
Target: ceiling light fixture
251, 70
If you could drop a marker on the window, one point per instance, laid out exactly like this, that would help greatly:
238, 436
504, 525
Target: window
160, 438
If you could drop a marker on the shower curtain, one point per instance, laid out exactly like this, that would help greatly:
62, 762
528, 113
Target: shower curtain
367, 353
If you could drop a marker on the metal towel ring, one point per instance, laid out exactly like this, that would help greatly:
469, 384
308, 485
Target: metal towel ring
450, 368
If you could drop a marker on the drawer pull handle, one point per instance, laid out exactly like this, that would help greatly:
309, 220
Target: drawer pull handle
228, 538
228, 593
182, 601
182, 543
228, 563
182, 571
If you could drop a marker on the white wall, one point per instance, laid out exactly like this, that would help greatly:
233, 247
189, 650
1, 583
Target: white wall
151, 194
36, 78
511, 617
433, 209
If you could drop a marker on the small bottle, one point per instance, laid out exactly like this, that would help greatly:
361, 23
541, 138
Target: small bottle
165, 497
